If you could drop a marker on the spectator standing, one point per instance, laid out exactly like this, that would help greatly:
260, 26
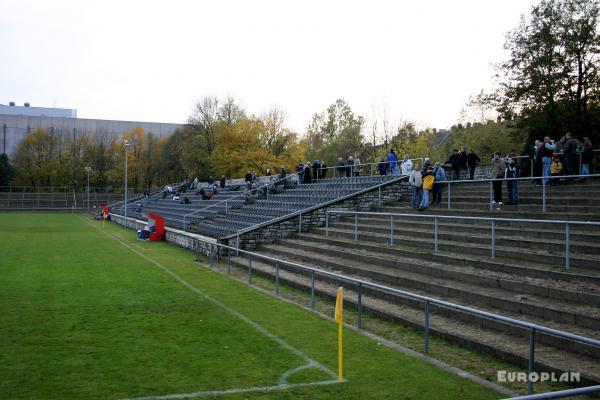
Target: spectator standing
415, 180
426, 164
222, 181
472, 161
586, 156
323, 170
497, 172
570, 153
556, 170
407, 166
357, 167
512, 186
463, 157
307, 174
547, 150
438, 186
428, 180
300, 172
316, 169
383, 166
340, 166
248, 177
349, 166
454, 162
393, 162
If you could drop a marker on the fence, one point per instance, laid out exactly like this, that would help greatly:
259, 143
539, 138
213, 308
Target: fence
542, 179
216, 250
436, 218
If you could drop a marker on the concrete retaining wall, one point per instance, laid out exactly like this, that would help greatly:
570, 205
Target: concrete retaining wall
197, 243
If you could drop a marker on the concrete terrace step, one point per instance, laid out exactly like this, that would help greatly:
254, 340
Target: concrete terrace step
504, 296
510, 343
524, 270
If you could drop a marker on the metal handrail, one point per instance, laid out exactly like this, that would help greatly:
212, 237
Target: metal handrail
428, 301
491, 180
315, 207
238, 196
561, 394
493, 221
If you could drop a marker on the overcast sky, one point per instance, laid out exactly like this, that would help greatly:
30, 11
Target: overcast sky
151, 60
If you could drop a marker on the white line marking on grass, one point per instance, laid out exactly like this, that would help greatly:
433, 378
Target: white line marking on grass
273, 388
282, 385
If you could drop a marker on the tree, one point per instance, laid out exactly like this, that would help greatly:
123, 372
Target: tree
7, 171
550, 83
335, 132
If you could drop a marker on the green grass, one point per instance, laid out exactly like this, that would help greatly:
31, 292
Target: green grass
82, 316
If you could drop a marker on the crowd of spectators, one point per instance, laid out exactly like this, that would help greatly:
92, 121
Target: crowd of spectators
550, 158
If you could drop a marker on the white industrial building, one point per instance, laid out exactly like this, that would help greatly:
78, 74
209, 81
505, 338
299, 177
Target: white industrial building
17, 121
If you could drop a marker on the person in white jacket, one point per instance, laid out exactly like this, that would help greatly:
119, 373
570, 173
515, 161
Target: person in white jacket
415, 180
407, 166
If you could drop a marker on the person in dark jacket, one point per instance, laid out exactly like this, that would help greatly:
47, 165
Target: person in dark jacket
323, 170
512, 186
222, 182
349, 166
340, 166
383, 166
248, 177
570, 154
454, 161
472, 161
300, 172
307, 174
316, 169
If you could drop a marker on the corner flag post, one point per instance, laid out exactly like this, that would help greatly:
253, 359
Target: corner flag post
339, 318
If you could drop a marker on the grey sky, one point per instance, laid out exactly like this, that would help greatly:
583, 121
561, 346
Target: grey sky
149, 60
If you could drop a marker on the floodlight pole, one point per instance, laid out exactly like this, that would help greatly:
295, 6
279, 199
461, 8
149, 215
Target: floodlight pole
126, 148
88, 169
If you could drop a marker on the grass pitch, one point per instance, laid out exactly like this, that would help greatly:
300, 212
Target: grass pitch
87, 311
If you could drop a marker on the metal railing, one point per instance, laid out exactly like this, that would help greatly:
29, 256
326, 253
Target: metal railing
449, 184
242, 195
436, 218
360, 285
561, 394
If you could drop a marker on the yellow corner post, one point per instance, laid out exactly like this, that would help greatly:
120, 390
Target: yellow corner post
339, 318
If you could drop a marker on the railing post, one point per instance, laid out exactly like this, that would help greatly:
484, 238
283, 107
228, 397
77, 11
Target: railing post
543, 195
211, 255
300, 223
228, 262
531, 363
237, 246
355, 227
493, 239
326, 223
449, 193
249, 269
491, 195
312, 290
580, 154
359, 307
426, 328
532, 167
184, 223
276, 278
567, 246
226, 211
435, 234
379, 196
391, 230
